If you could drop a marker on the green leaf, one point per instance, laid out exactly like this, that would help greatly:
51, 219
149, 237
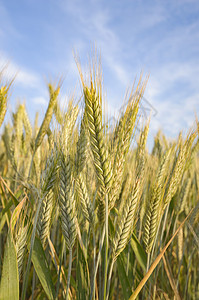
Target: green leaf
2, 222
42, 269
32, 240
126, 288
13, 197
6, 209
139, 252
156, 262
9, 287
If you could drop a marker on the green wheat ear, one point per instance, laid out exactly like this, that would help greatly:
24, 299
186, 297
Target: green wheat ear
100, 153
67, 207
47, 185
183, 155
86, 204
21, 243
93, 116
126, 218
154, 205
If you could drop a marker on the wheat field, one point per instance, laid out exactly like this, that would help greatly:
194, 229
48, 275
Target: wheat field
87, 212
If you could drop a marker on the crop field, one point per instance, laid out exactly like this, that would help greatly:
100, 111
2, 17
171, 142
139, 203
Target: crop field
87, 212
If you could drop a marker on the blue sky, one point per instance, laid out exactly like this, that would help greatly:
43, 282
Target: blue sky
160, 38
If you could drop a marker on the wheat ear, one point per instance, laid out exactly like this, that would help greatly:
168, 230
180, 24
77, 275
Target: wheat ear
3, 103
100, 205
154, 207
21, 242
67, 202
184, 152
9, 146
86, 204
45, 124
27, 125
67, 210
122, 139
58, 113
125, 222
125, 225
82, 147
43, 225
68, 125
47, 184
100, 154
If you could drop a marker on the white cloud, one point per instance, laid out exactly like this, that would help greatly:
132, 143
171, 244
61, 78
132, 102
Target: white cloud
94, 23
161, 37
40, 100
27, 78
164, 53
173, 116
23, 77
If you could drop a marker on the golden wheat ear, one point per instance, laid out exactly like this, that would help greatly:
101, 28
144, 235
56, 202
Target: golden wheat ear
3, 103
48, 116
82, 146
4, 89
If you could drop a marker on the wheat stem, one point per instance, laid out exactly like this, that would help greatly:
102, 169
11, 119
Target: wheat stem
109, 279
98, 260
106, 247
69, 271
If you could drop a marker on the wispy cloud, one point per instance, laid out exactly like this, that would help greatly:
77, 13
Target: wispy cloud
159, 37
23, 77
173, 116
94, 22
